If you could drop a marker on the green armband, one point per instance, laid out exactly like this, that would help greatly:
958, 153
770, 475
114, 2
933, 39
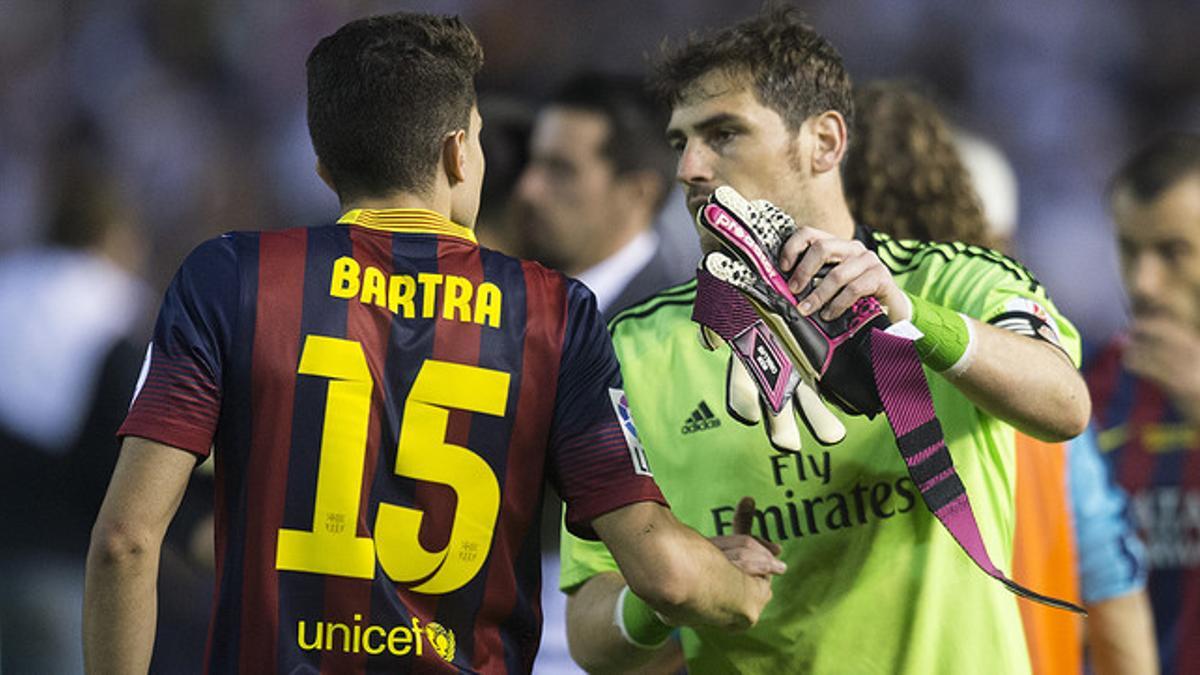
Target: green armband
948, 344
639, 624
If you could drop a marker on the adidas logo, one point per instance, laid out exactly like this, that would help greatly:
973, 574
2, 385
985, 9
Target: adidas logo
702, 418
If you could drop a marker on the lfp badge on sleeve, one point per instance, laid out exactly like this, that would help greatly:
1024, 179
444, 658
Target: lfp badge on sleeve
636, 452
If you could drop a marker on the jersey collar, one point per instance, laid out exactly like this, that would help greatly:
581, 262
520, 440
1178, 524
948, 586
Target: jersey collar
412, 221
865, 234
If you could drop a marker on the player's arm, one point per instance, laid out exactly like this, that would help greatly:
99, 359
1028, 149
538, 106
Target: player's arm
595, 641
1029, 383
1120, 635
676, 572
1026, 382
120, 596
1112, 567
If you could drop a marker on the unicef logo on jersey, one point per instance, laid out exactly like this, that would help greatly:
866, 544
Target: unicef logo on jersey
637, 454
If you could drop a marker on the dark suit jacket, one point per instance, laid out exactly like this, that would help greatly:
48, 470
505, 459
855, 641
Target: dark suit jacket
656, 275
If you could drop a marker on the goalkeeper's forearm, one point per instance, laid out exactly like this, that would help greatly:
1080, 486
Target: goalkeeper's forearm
1028, 383
595, 641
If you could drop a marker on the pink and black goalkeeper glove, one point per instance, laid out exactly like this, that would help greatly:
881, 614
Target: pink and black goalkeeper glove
743, 298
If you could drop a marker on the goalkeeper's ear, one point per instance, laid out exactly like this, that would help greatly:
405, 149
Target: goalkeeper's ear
828, 140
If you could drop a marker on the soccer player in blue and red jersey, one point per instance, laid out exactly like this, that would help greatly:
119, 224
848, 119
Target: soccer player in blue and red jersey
1146, 385
385, 401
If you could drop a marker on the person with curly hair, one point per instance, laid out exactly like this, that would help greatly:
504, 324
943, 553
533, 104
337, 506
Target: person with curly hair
904, 173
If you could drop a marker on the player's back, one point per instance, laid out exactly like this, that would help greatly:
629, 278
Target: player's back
387, 394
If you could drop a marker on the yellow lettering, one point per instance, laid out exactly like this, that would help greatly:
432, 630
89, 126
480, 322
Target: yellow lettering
367, 640
373, 287
329, 630
416, 631
487, 304
429, 286
402, 635
344, 282
358, 638
457, 299
315, 644
400, 294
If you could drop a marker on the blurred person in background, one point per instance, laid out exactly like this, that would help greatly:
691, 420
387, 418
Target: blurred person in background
1146, 383
764, 105
74, 311
505, 140
380, 460
1073, 540
599, 172
586, 203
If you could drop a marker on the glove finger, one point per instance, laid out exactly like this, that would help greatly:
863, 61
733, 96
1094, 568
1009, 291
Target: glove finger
734, 202
822, 423
741, 394
783, 430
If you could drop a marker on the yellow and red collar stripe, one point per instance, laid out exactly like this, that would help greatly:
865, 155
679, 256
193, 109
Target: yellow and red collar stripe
415, 221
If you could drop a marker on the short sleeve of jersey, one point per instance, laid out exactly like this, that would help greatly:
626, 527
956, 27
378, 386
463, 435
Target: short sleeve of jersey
178, 398
597, 460
981, 283
1111, 557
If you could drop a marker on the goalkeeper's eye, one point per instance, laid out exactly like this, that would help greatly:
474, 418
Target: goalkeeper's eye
721, 137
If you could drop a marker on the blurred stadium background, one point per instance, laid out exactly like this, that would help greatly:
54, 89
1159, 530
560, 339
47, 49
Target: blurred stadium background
195, 110
198, 107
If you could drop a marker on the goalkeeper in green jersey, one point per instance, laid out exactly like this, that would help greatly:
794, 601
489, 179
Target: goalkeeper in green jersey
874, 583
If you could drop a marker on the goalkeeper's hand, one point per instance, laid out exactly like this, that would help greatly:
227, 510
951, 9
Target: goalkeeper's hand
744, 240
761, 380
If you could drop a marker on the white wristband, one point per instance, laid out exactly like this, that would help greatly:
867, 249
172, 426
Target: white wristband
619, 622
964, 362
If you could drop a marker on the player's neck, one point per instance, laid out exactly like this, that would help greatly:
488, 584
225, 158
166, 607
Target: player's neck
823, 206
831, 215
399, 200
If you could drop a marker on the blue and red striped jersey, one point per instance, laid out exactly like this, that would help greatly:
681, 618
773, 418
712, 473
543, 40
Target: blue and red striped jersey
1154, 454
385, 401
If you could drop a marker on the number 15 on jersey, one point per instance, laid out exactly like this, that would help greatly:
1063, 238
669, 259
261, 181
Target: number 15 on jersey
422, 454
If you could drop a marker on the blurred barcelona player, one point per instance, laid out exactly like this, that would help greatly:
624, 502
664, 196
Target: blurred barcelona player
384, 401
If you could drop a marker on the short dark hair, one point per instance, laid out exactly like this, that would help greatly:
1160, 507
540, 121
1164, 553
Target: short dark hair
382, 94
636, 122
903, 173
796, 72
1159, 165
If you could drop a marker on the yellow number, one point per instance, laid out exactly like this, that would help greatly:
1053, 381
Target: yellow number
332, 545
424, 454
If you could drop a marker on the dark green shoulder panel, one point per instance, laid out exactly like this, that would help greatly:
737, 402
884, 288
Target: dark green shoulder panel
673, 296
903, 256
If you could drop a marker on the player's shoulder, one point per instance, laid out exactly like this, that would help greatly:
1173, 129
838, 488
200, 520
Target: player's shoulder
546, 279
661, 311
928, 258
218, 252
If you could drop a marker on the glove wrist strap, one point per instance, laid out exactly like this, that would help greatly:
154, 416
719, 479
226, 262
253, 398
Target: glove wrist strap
638, 623
947, 344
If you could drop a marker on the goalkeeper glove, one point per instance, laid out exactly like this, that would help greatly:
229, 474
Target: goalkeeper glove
761, 379
830, 355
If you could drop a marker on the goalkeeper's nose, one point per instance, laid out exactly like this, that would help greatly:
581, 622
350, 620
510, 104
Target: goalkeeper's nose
695, 172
